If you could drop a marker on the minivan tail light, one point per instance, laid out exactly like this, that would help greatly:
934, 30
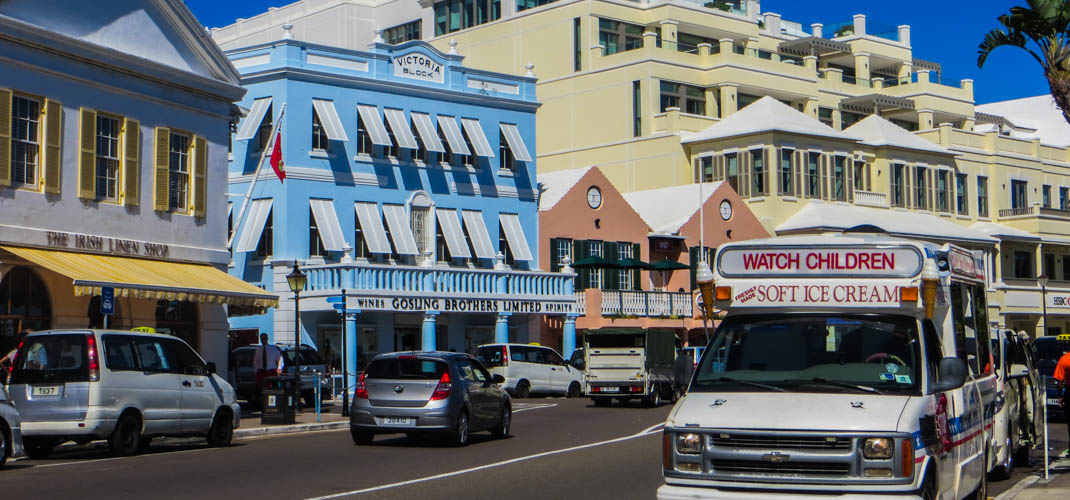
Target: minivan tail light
442, 390
505, 356
361, 390
94, 358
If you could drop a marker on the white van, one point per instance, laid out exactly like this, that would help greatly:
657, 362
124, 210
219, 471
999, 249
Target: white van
852, 365
531, 368
125, 387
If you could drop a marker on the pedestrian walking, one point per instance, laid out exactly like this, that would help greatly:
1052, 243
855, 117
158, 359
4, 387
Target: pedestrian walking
7, 362
268, 362
1062, 373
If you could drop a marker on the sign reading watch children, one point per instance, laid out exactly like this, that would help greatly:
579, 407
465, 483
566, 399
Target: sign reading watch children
418, 66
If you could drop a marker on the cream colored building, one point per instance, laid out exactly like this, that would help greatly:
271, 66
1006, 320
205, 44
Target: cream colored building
627, 86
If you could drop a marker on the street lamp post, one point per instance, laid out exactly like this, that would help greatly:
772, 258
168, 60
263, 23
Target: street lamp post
704, 279
297, 280
1042, 280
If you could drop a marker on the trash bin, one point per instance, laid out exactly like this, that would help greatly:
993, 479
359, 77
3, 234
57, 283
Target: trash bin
278, 408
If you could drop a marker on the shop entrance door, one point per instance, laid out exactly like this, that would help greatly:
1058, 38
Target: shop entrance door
406, 339
329, 345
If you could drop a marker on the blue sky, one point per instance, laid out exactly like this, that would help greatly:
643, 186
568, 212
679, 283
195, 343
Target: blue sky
944, 31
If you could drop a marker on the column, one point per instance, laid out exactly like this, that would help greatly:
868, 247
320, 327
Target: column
925, 119
712, 109
428, 331
352, 348
568, 336
860, 24
669, 36
862, 66
904, 34
728, 100
501, 328
726, 45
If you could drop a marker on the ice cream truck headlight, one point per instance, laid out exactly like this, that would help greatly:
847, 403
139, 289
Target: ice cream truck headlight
878, 448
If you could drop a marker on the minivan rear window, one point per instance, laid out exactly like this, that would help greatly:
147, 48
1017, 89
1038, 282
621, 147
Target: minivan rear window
308, 357
406, 368
490, 356
51, 359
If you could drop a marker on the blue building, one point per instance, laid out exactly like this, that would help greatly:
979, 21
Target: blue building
410, 184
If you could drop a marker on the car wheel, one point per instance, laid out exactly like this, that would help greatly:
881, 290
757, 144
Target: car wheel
574, 390
504, 421
3, 446
362, 438
928, 491
222, 431
460, 432
602, 402
38, 449
653, 400
523, 390
126, 437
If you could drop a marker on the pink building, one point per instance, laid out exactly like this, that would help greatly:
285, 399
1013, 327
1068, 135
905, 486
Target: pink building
582, 215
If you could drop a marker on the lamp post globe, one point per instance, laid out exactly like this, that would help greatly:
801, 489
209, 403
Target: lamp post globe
297, 280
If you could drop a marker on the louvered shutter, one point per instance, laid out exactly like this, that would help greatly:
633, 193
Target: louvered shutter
720, 168
766, 172
583, 276
799, 178
824, 177
131, 162
555, 264
698, 170
908, 195
636, 285
162, 168
5, 137
53, 142
743, 166
87, 154
200, 177
610, 277
692, 254
929, 187
850, 186
869, 177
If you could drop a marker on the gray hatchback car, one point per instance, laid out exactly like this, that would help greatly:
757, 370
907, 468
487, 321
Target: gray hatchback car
420, 393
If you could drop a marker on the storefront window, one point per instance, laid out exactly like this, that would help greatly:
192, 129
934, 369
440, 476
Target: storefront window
178, 318
24, 304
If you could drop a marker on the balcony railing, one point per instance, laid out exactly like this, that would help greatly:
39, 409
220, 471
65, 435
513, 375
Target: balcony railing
581, 303
474, 283
871, 199
646, 304
1015, 212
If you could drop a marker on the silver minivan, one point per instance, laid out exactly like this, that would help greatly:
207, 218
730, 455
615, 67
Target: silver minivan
125, 387
10, 429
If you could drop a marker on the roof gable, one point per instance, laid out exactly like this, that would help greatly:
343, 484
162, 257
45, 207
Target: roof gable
818, 216
666, 210
878, 132
162, 31
766, 115
553, 186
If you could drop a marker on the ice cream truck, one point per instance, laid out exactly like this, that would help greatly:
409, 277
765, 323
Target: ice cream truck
855, 365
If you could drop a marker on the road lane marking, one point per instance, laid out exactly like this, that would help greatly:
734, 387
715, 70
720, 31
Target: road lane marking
536, 407
654, 429
109, 459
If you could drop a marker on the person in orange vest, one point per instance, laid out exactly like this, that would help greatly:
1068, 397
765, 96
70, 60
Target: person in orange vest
1062, 373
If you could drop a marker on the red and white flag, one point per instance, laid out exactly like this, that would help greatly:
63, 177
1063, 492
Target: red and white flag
276, 158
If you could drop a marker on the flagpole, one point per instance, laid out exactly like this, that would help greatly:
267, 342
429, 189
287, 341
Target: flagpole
256, 175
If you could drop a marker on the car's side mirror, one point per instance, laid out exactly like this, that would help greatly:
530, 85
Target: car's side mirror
211, 368
952, 374
578, 364
498, 378
1018, 371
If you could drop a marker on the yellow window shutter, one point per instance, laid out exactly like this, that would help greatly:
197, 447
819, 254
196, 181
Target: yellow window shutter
52, 161
131, 162
5, 137
200, 176
87, 156
163, 157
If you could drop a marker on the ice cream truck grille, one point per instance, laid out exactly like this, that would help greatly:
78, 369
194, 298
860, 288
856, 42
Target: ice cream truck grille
783, 442
786, 468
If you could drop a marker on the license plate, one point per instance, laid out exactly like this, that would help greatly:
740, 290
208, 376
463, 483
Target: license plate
398, 421
1053, 402
46, 390
610, 389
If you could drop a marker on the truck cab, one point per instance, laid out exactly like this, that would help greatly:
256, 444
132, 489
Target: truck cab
849, 365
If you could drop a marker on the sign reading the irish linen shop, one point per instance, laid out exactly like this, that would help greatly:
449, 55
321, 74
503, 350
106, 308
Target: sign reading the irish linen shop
104, 244
418, 67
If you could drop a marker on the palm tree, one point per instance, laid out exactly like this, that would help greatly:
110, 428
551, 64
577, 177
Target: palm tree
1045, 23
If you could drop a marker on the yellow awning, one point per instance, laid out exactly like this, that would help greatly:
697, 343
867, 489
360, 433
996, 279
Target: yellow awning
148, 279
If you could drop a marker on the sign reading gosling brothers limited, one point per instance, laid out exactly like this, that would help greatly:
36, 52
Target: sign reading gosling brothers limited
418, 67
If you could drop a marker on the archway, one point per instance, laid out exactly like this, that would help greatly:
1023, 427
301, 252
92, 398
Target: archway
24, 304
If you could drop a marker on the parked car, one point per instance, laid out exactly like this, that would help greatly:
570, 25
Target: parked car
1017, 403
242, 373
10, 429
531, 368
422, 393
125, 387
1047, 351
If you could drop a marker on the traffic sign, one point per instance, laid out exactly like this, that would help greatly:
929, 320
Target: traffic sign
349, 311
107, 300
335, 299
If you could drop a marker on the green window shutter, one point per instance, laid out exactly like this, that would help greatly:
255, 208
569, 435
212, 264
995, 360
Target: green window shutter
636, 284
555, 265
693, 254
610, 277
583, 276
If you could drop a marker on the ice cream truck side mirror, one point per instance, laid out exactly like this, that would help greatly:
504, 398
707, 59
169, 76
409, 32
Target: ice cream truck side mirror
952, 374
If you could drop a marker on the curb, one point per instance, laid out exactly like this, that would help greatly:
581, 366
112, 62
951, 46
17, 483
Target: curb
289, 429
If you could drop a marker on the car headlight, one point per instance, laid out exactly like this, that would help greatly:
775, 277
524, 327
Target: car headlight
690, 443
878, 448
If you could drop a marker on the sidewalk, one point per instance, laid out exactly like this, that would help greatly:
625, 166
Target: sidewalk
1057, 486
330, 418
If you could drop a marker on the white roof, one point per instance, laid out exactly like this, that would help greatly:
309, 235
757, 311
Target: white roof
765, 115
827, 216
876, 131
555, 185
998, 230
665, 210
1039, 113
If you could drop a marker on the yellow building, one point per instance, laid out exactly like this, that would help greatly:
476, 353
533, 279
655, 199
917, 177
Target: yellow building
643, 90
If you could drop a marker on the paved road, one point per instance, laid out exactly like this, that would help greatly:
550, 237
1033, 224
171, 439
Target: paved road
1057, 443
327, 463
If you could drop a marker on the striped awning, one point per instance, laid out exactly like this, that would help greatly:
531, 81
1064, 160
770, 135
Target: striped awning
477, 232
451, 229
400, 126
427, 132
253, 119
400, 232
516, 143
332, 124
371, 226
254, 225
514, 236
373, 123
327, 223
147, 279
478, 138
453, 135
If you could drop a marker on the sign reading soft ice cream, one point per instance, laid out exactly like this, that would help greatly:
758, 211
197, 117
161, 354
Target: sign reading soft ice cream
418, 67
861, 261
818, 293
